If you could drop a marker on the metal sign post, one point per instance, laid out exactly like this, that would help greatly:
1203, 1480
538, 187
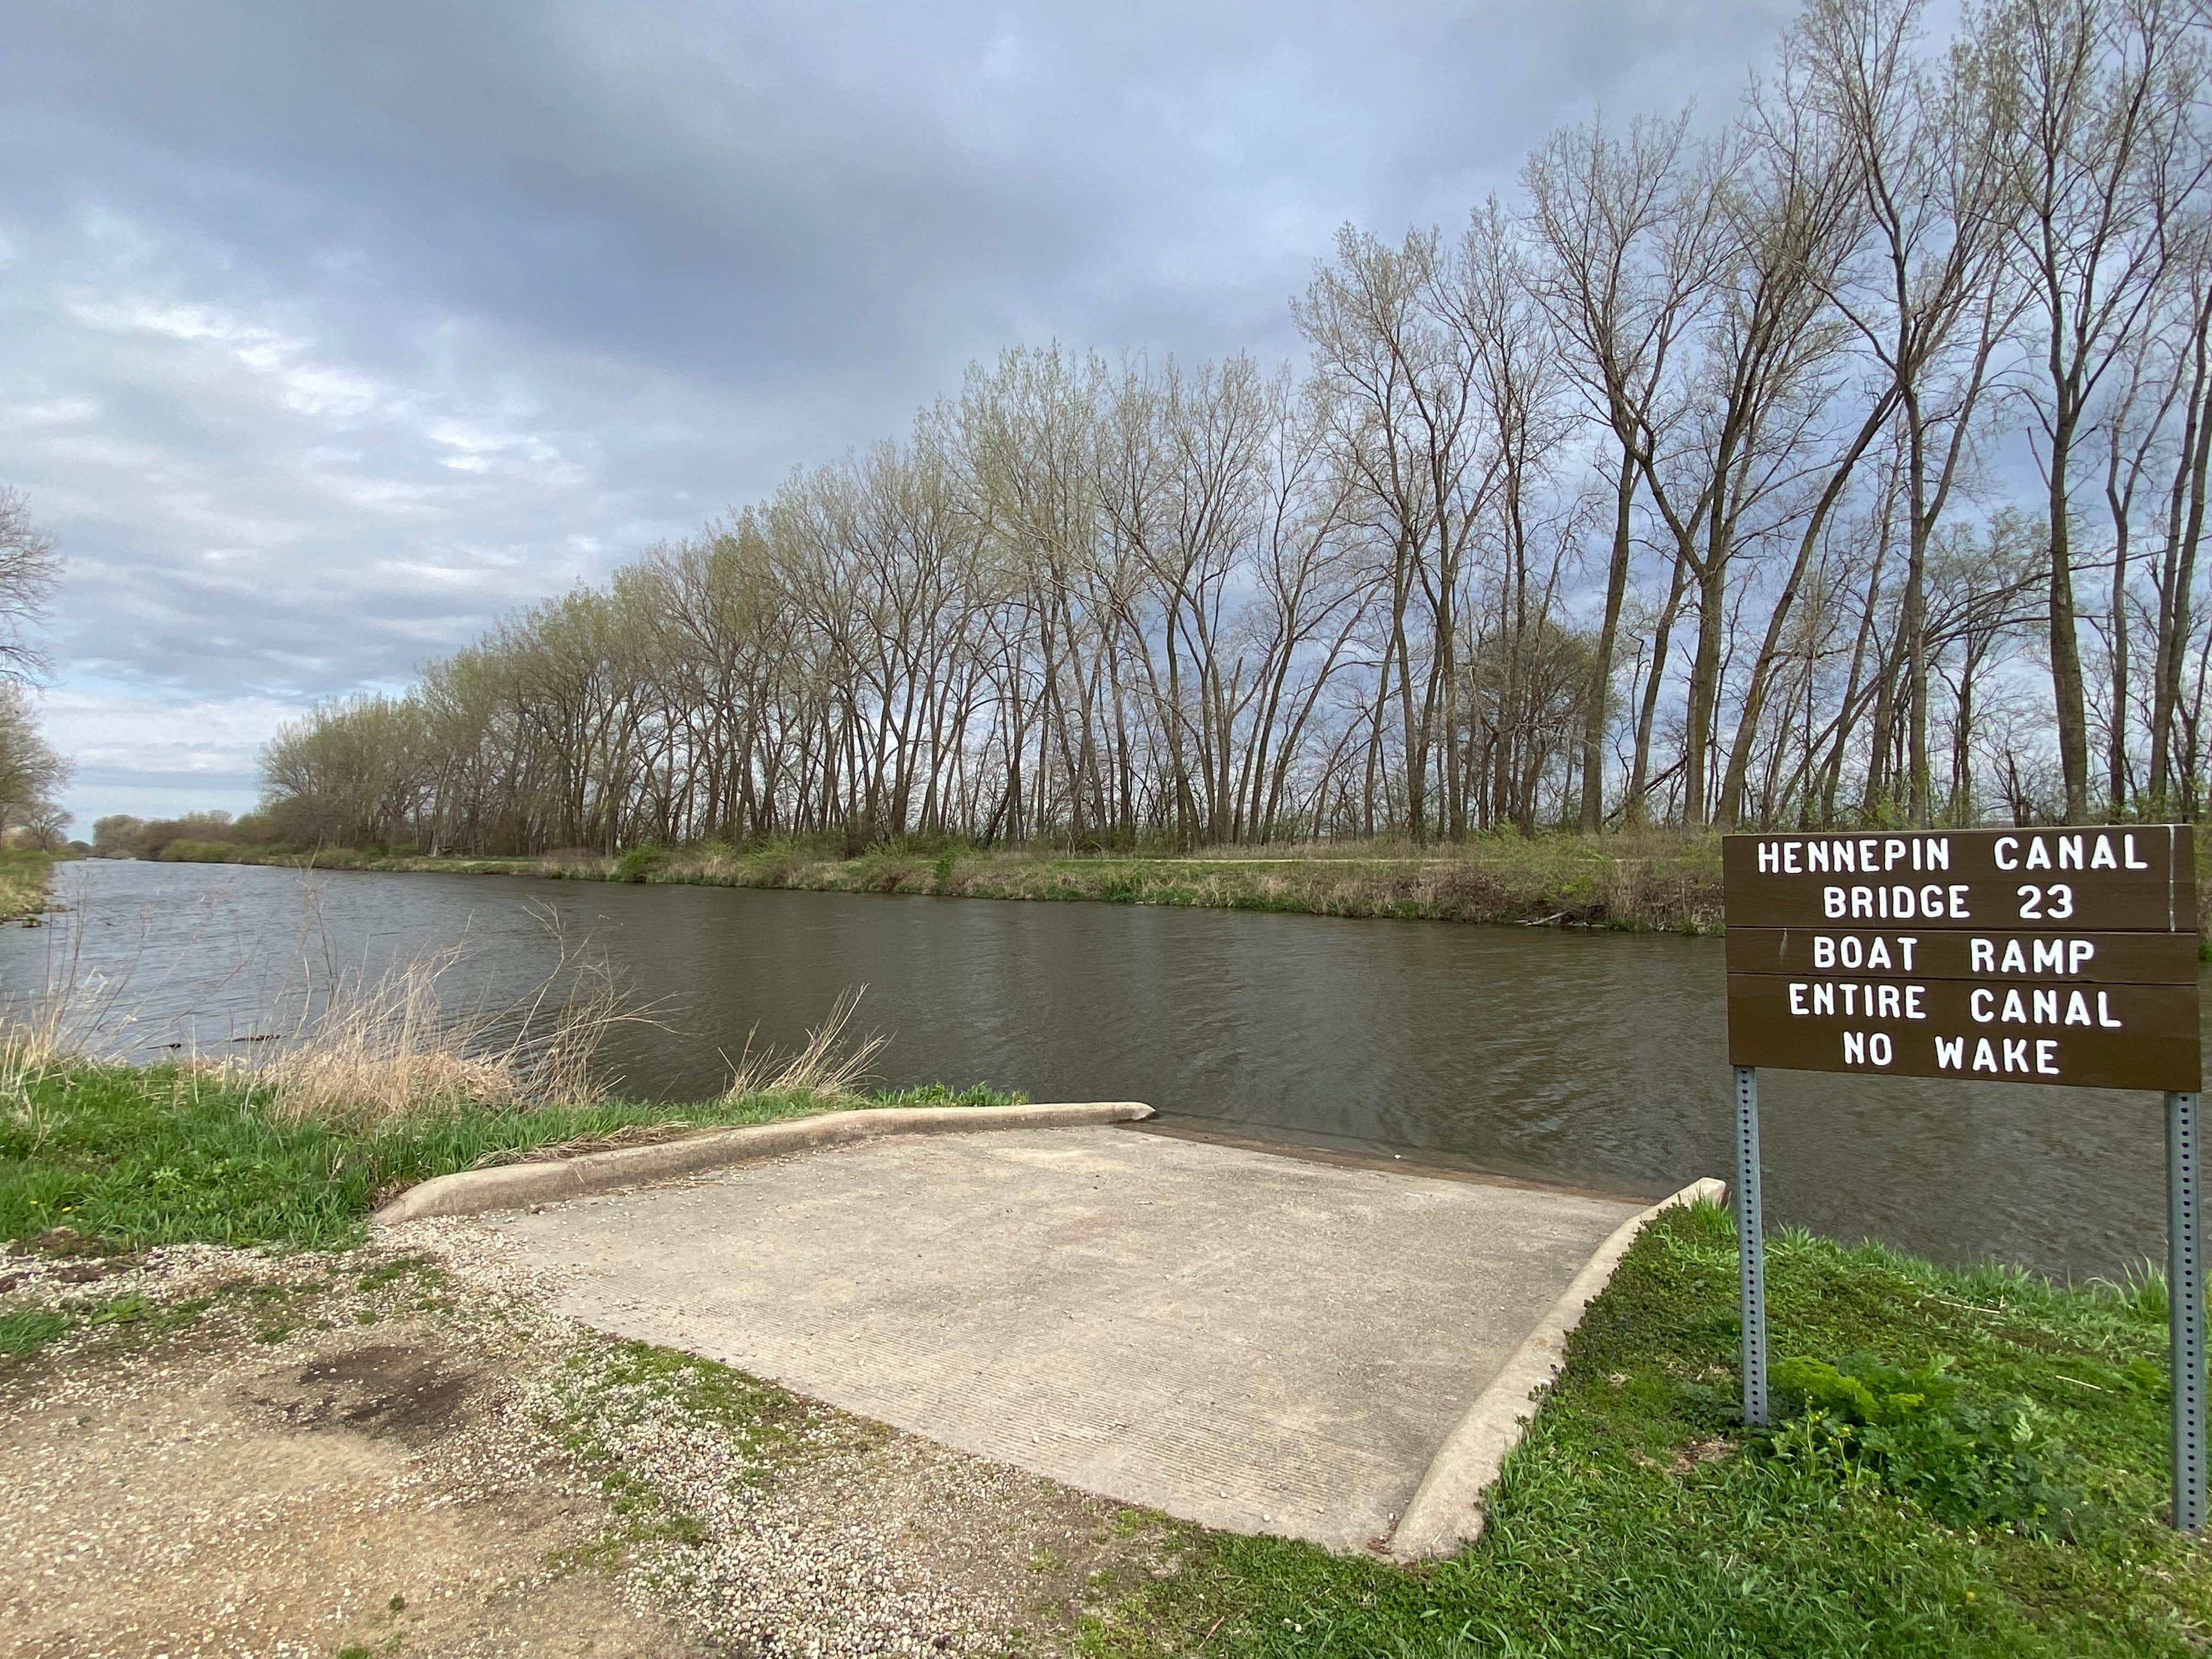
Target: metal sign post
1751, 1246
2060, 955
2184, 1301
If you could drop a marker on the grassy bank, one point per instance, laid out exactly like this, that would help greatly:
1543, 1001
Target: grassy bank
1653, 881
1656, 881
173, 1154
23, 884
2006, 1503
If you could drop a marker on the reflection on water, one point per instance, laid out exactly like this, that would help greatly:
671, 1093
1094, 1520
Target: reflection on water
1592, 1058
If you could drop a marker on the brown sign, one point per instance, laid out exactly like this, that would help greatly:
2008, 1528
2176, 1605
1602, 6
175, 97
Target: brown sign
2115, 1037
2138, 880
1955, 953
2038, 955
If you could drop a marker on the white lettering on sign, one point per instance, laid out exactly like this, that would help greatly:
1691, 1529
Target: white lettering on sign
2067, 853
1868, 1048
1931, 903
1854, 1000
2039, 1005
1849, 950
1861, 855
2026, 957
2039, 1056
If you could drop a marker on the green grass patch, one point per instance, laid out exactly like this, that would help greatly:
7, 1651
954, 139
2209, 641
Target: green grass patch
2011, 1506
170, 1154
26, 1331
618, 1385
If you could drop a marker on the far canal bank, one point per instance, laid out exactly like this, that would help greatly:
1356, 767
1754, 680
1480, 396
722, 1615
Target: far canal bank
1654, 882
1582, 1057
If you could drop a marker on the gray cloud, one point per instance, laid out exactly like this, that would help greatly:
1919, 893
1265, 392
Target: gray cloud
335, 331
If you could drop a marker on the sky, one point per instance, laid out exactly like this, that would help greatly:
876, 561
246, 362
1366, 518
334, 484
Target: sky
330, 333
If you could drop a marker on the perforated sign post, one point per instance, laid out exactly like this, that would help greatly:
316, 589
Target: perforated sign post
2027, 956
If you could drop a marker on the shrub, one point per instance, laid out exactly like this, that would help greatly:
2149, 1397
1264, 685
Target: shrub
640, 863
1915, 1434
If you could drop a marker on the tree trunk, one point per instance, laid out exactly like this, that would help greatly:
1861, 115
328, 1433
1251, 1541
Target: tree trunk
1601, 680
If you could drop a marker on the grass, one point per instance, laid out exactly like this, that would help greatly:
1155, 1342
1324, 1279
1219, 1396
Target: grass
23, 883
173, 1154
1637, 1519
388, 1082
24, 1331
1655, 880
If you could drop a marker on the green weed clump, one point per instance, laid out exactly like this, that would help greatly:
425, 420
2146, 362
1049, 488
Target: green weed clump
640, 863
1914, 1433
24, 1331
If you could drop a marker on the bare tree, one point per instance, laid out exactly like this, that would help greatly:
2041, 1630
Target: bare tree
1402, 379
1762, 384
2087, 97
1926, 291
31, 772
1627, 249
28, 568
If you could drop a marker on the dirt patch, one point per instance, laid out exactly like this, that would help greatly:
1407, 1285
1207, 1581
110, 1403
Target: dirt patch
364, 1499
398, 1452
62, 1241
385, 1389
61, 1255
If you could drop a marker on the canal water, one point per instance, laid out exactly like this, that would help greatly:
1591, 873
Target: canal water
1597, 1059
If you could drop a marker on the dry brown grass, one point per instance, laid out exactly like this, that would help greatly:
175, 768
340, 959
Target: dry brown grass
61, 1019
397, 1047
363, 1050
36, 1037
825, 1066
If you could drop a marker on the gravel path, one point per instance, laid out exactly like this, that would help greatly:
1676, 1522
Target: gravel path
398, 1450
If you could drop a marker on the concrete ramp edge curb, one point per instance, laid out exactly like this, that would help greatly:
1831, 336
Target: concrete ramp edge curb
1446, 1510
511, 1185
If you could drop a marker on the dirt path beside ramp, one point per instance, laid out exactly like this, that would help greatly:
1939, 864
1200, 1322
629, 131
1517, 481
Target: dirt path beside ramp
388, 1453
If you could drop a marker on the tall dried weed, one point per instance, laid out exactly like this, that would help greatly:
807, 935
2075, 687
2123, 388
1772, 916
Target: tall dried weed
824, 1066
362, 1050
398, 1046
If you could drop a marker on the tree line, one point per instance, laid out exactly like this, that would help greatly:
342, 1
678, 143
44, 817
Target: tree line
1844, 461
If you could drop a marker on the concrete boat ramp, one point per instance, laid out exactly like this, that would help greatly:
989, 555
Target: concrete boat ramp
1259, 1342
